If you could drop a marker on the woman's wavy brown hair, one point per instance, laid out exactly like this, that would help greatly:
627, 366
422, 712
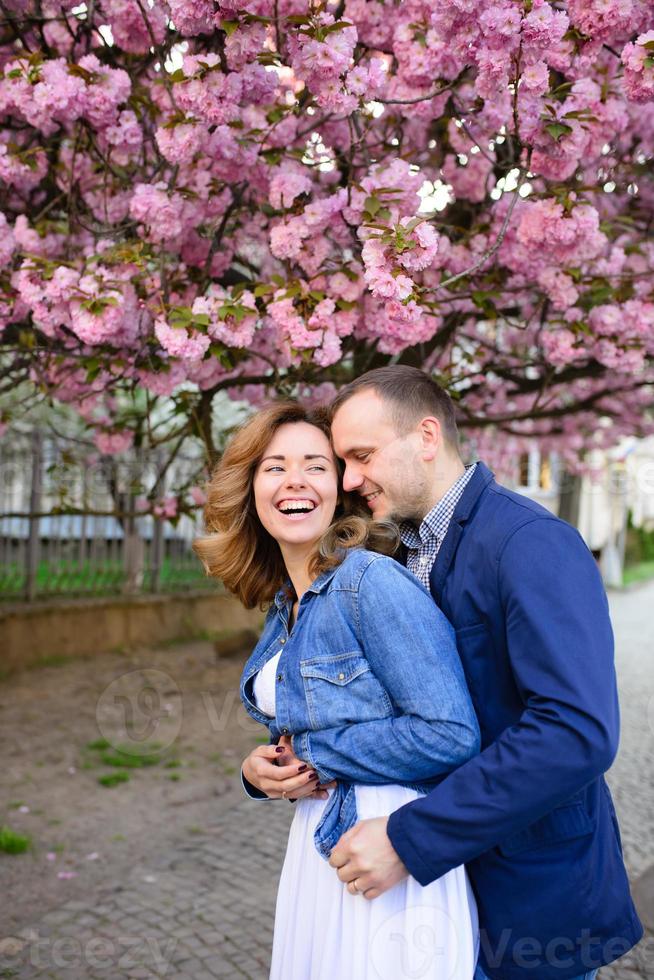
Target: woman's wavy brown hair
237, 548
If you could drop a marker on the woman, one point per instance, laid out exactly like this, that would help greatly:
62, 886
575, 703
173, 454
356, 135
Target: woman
356, 675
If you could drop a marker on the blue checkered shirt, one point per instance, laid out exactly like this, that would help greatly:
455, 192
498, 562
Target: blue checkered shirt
424, 543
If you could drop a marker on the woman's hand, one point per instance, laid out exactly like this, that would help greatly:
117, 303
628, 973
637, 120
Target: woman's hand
277, 772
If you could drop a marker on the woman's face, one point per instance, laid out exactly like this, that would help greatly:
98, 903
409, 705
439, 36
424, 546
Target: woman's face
296, 485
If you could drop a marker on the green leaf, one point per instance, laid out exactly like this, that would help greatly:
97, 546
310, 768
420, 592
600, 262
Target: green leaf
275, 115
181, 316
558, 130
268, 58
88, 76
263, 290
350, 274
98, 304
229, 26
372, 205
177, 76
624, 292
561, 91
257, 19
482, 300
340, 25
177, 119
92, 369
597, 295
576, 35
412, 225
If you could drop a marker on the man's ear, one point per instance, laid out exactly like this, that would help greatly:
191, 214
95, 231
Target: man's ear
431, 438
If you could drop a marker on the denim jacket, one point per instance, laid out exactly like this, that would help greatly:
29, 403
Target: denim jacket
369, 685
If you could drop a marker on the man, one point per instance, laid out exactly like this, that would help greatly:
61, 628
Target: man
531, 816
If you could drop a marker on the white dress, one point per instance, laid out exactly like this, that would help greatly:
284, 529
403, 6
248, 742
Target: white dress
324, 933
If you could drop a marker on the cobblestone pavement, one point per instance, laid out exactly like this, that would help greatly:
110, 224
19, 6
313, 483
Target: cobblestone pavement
203, 909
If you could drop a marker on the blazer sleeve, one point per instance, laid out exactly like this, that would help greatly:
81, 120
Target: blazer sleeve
410, 647
560, 645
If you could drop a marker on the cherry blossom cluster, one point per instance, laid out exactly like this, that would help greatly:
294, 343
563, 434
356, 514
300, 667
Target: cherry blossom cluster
255, 196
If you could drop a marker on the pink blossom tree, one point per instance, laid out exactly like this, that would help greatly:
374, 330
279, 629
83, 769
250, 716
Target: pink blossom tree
255, 196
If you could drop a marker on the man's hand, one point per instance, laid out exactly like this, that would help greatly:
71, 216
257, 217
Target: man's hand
366, 861
277, 772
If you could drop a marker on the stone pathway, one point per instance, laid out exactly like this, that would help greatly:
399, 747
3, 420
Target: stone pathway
204, 908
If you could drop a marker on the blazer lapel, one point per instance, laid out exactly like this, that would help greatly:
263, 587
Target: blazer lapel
478, 483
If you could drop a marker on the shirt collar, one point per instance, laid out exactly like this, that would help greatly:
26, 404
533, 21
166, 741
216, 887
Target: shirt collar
439, 516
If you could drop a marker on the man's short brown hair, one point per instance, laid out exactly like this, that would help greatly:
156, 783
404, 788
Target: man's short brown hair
411, 395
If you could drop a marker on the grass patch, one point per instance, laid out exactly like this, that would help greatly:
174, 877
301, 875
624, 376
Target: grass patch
12, 842
172, 764
126, 755
70, 577
121, 757
174, 777
641, 572
15, 804
129, 760
113, 778
98, 743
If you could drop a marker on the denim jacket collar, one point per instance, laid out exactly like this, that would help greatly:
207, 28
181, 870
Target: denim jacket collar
318, 585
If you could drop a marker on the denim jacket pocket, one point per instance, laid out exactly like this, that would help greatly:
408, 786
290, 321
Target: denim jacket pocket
342, 689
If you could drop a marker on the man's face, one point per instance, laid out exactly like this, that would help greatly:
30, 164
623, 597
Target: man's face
385, 468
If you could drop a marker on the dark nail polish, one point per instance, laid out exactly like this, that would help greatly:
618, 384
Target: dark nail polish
314, 775
303, 768
279, 748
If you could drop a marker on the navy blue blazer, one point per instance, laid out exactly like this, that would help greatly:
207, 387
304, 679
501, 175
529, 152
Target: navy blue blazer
531, 816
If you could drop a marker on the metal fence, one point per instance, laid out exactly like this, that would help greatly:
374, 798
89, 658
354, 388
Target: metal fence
70, 523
